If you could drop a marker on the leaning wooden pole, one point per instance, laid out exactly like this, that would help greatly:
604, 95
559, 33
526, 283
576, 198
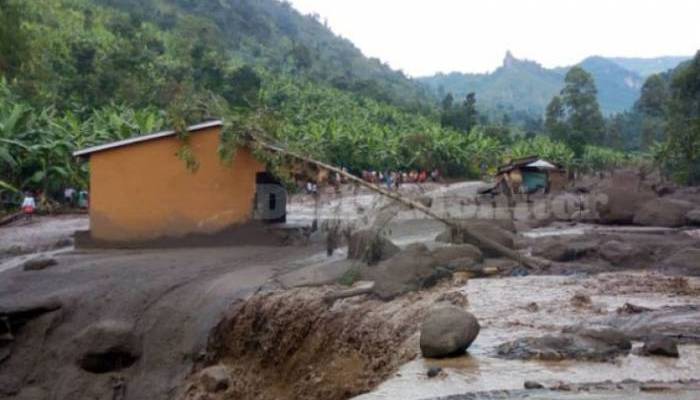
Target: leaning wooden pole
474, 236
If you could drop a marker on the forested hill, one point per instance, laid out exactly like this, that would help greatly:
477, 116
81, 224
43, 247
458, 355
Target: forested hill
76, 73
522, 85
100, 51
272, 34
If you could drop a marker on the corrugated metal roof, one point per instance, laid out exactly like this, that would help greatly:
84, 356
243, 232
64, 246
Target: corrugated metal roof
542, 164
144, 138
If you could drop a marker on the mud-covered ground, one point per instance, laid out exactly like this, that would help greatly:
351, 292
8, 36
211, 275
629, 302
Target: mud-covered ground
265, 322
118, 324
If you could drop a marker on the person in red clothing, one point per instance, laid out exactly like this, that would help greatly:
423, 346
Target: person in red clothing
28, 205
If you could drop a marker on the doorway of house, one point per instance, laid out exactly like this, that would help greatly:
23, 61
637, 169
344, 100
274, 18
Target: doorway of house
270, 199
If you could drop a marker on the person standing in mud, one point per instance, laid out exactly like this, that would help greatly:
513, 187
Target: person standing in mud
28, 206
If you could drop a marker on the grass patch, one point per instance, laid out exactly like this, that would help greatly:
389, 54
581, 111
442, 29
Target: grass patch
350, 276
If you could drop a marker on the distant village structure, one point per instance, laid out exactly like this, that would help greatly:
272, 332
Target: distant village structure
529, 175
140, 190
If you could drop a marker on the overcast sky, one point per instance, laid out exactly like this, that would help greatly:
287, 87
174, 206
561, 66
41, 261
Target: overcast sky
422, 37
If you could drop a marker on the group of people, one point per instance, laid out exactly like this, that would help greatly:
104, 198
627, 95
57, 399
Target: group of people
72, 198
394, 179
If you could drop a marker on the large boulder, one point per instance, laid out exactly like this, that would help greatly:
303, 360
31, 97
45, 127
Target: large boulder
564, 250
681, 323
443, 255
620, 198
370, 246
686, 260
663, 346
447, 331
585, 344
486, 229
412, 269
619, 253
663, 212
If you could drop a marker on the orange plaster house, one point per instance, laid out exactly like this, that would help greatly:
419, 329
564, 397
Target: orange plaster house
141, 191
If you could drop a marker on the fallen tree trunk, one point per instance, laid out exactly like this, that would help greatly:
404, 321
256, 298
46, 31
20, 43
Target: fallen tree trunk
476, 237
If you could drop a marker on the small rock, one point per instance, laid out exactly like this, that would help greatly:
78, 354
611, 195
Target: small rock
629, 308
519, 272
693, 217
434, 371
664, 347
37, 264
565, 250
216, 378
532, 307
584, 216
427, 201
618, 252
454, 298
533, 385
447, 331
65, 242
581, 300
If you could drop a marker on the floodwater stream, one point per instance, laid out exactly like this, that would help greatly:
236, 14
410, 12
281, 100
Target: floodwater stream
511, 308
506, 311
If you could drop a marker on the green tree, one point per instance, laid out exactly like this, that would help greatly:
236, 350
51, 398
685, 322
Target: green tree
683, 122
574, 116
654, 97
652, 107
614, 132
555, 119
14, 44
584, 119
470, 116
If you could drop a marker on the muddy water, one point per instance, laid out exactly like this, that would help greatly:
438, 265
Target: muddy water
502, 308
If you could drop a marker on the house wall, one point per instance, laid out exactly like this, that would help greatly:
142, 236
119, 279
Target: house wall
144, 191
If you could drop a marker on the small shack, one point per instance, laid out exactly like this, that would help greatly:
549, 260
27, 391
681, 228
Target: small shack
531, 174
141, 191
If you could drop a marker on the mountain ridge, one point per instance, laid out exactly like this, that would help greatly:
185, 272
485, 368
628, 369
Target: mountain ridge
526, 86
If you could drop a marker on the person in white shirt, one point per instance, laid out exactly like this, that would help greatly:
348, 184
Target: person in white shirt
69, 196
28, 205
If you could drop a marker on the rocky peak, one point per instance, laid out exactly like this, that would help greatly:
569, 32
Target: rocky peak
509, 59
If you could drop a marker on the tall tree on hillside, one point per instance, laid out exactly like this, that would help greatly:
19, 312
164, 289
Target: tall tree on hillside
462, 117
470, 116
574, 117
652, 107
654, 97
683, 121
585, 120
613, 134
448, 102
555, 119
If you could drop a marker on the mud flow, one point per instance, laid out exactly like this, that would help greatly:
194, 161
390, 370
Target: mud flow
604, 308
